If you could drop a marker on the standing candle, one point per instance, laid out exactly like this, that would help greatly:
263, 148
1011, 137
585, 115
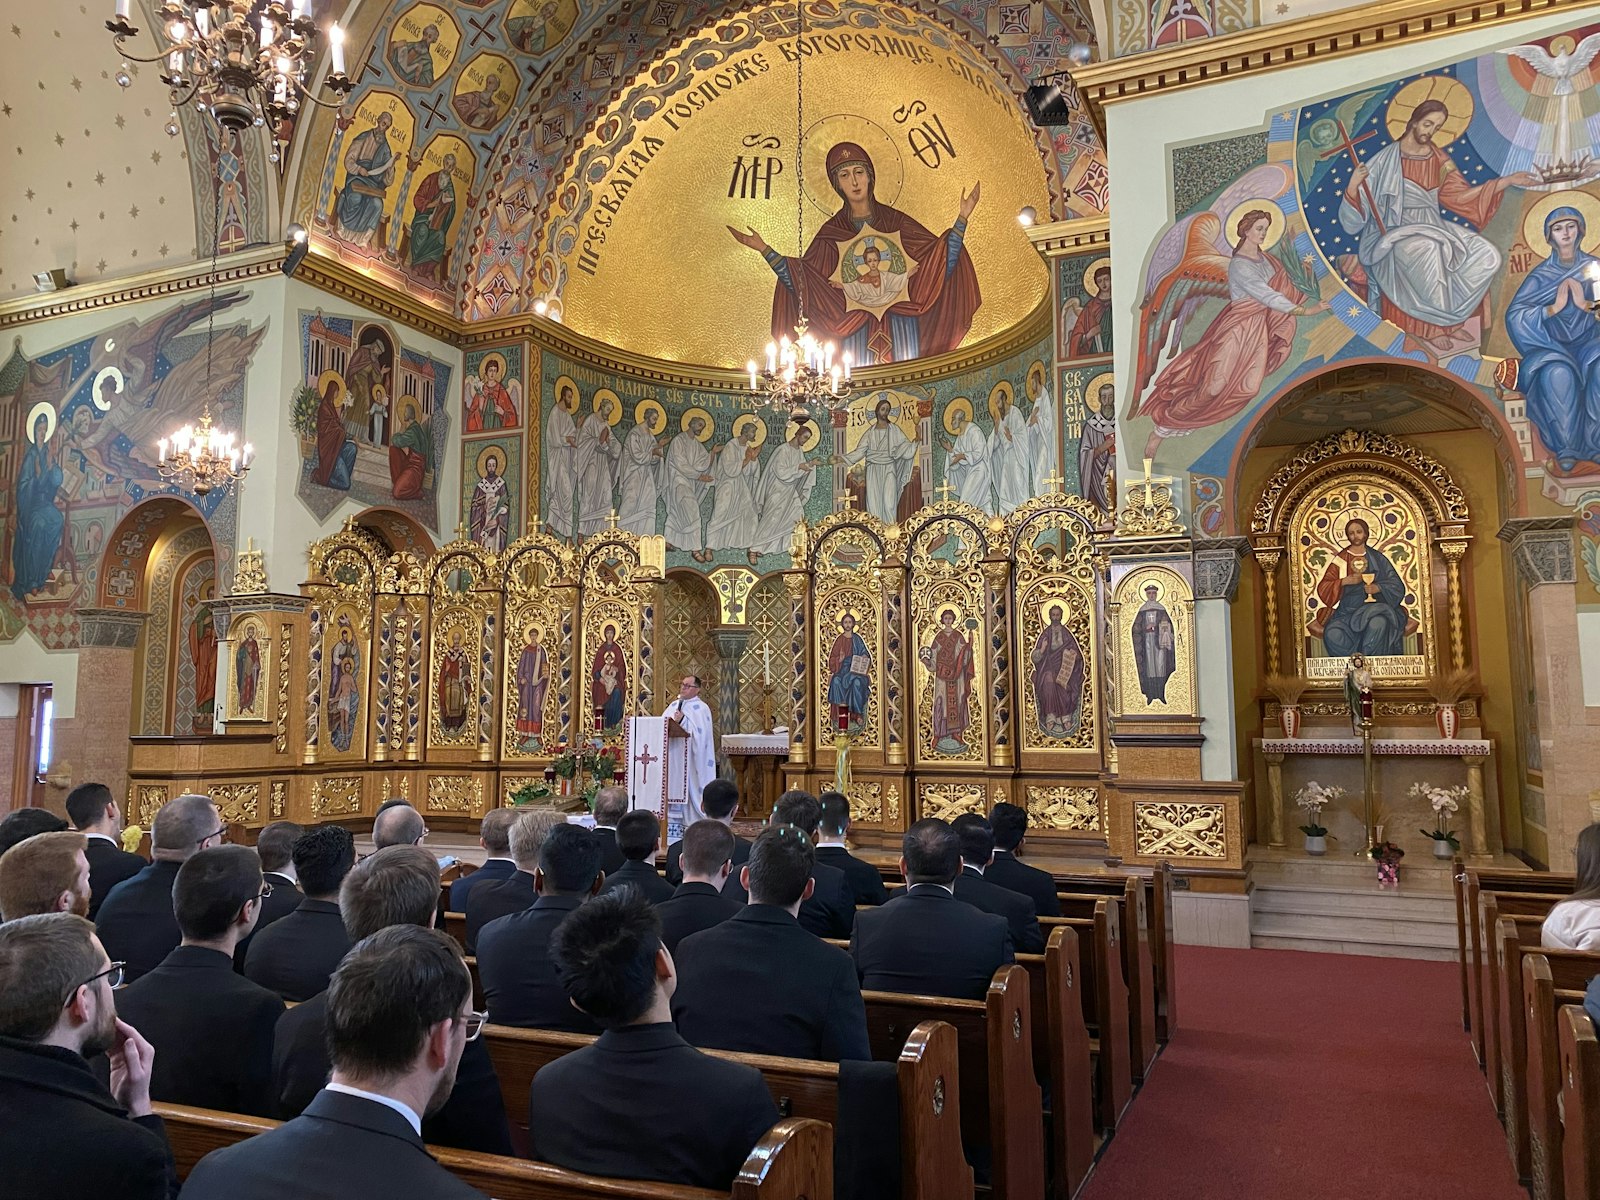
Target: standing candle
766, 664
122, 9
336, 45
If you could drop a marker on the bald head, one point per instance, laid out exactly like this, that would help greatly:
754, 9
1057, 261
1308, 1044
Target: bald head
183, 827
398, 825
494, 831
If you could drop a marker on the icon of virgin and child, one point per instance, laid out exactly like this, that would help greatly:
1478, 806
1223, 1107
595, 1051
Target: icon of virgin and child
937, 296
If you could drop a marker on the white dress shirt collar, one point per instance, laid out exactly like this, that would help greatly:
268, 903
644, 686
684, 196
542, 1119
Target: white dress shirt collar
404, 1110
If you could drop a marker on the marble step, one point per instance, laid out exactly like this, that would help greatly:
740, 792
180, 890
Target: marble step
1422, 906
1354, 920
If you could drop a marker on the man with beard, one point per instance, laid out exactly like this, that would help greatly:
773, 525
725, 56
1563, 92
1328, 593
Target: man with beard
399, 1016
47, 873
65, 1135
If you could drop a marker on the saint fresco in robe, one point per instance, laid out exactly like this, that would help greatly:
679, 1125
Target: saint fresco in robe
247, 670
369, 166
849, 673
949, 659
1154, 646
608, 679
532, 682
344, 688
1056, 675
455, 684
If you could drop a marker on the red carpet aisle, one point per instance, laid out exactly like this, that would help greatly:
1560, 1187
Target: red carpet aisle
1311, 1077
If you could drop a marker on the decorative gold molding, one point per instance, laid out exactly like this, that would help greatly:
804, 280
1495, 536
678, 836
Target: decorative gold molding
1059, 238
336, 796
337, 278
1292, 44
1179, 830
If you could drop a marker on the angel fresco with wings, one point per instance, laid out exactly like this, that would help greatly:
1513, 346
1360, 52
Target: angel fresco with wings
1215, 377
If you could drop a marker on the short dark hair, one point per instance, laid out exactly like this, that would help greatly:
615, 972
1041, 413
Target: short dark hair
276, 844
720, 799
835, 813
392, 987
24, 823
569, 860
182, 823
322, 858
605, 956
1010, 825
800, 809
706, 846
212, 886
781, 860
610, 805
637, 835
976, 836
43, 960
87, 802
397, 824
932, 852
495, 830
399, 885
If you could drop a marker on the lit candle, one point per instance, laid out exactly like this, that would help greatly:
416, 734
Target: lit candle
766, 657
299, 9
161, 451
847, 364
772, 358
175, 62
268, 32
202, 21
249, 453
122, 9
336, 44
751, 365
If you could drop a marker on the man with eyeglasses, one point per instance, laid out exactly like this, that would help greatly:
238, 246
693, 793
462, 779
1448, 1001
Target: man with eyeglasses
136, 921
212, 1029
65, 1135
399, 1016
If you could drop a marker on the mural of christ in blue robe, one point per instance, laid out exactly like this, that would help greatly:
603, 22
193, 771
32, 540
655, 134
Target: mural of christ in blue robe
1361, 617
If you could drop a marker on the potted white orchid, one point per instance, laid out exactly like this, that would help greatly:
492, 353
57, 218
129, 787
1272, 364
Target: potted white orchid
1312, 798
1445, 801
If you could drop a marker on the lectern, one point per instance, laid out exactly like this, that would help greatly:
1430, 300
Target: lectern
658, 781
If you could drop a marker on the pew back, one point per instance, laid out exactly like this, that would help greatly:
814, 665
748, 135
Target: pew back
1134, 961
1512, 936
1580, 1105
1105, 998
1471, 883
1062, 1057
1551, 979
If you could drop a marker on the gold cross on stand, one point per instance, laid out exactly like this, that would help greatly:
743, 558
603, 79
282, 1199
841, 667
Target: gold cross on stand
461, 532
611, 522
1149, 483
1055, 482
846, 499
944, 490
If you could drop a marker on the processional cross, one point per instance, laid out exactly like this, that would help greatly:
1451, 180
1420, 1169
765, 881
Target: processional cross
1347, 145
1149, 483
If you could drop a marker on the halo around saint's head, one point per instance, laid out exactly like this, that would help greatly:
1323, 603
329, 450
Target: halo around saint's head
46, 410
106, 373
1356, 512
600, 397
962, 405
408, 411
495, 451
689, 414
748, 421
813, 435
1275, 222
1003, 388
1091, 392
1451, 91
649, 413
339, 389
1035, 371
822, 136
565, 387
493, 358
1539, 213
1092, 270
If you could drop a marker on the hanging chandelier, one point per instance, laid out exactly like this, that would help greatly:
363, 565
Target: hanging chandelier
201, 457
803, 372
243, 61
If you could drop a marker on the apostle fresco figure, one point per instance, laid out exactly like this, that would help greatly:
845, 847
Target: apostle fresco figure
885, 456
639, 479
1360, 617
479, 109
786, 481
247, 669
1057, 677
1091, 332
948, 657
967, 466
608, 679
344, 690
531, 33
413, 61
455, 682
688, 471
1011, 456
561, 441
40, 520
1097, 449
410, 455
203, 654
490, 511
1559, 341
940, 299
369, 170
532, 682
1154, 646
434, 207
1044, 456
733, 506
595, 464
849, 672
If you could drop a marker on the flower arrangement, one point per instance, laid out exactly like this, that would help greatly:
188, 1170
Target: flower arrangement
1312, 798
1286, 689
1387, 855
530, 794
1444, 802
599, 763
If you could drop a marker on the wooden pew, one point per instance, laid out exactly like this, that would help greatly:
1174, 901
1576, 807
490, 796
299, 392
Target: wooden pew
1495, 988
1156, 921
1105, 1000
1000, 1102
455, 924
794, 1161
1580, 1105
1063, 1058
932, 1166
1513, 935
1551, 980
1476, 936
1134, 961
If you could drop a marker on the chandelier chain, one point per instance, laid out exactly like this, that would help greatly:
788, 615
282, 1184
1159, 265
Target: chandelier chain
799, 157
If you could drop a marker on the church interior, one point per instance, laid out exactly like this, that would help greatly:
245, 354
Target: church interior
1176, 419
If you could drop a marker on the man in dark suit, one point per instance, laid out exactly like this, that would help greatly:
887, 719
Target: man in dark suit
274, 847
494, 835
866, 882
830, 910
296, 957
925, 941
95, 814
399, 885
212, 1029
398, 824
640, 1103
519, 980
1010, 825
698, 902
46, 873
610, 806
502, 897
977, 852
65, 1136
399, 1014
136, 922
719, 802
639, 837
24, 823
792, 994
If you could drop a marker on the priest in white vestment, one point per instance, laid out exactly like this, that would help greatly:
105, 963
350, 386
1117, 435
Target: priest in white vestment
640, 479
560, 475
688, 472
967, 467
887, 456
733, 504
1010, 449
691, 747
785, 484
595, 463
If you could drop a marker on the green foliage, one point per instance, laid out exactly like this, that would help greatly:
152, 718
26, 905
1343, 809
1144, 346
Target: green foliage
529, 794
1314, 830
303, 413
1442, 835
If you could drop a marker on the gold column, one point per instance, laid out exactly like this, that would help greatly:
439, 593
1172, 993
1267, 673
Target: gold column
997, 585
1268, 558
798, 585
1477, 831
1453, 550
1275, 837
897, 721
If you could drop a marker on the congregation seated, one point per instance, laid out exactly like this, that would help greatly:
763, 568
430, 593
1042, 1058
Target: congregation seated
494, 835
398, 1017
977, 852
866, 881
96, 814
212, 1029
1574, 923
136, 922
66, 1136
610, 806
760, 983
23, 823
640, 1102
46, 873
520, 985
925, 941
1010, 825
502, 897
297, 955
830, 910
399, 885
719, 802
274, 847
397, 824
639, 837
706, 858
